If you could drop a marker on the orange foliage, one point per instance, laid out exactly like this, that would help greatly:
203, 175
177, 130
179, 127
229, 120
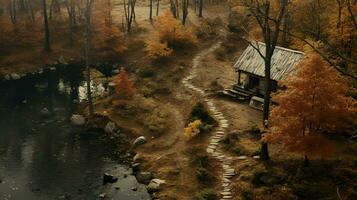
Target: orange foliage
107, 38
169, 35
124, 87
314, 103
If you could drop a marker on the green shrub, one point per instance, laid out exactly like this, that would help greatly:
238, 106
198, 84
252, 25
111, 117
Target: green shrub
200, 113
207, 194
246, 195
147, 74
255, 130
203, 176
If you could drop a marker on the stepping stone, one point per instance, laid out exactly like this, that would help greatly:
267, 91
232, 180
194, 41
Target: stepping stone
227, 197
242, 157
256, 157
226, 193
225, 184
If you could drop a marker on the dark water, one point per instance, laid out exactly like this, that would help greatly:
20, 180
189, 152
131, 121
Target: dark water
47, 158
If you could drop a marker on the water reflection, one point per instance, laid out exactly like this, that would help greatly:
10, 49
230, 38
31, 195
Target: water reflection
42, 156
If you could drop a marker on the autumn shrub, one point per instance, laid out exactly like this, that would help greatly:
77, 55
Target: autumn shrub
124, 87
169, 35
156, 121
192, 130
108, 41
208, 27
206, 194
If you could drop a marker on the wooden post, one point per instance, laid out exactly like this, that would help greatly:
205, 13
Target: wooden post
239, 83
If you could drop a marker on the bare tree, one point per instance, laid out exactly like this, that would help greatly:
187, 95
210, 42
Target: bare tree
71, 16
150, 6
87, 49
200, 8
47, 44
185, 4
269, 24
129, 13
157, 7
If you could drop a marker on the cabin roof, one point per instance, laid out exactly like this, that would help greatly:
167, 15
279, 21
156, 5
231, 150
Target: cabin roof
283, 61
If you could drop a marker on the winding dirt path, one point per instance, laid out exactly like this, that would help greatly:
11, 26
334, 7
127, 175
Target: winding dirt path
214, 148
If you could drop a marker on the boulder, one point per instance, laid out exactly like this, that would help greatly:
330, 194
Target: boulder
15, 76
108, 178
110, 128
144, 177
137, 158
139, 141
154, 185
61, 60
115, 71
45, 112
136, 167
7, 77
78, 120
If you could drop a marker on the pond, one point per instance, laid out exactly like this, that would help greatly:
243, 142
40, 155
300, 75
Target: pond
42, 156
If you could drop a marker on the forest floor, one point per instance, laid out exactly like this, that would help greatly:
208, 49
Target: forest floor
161, 107
160, 112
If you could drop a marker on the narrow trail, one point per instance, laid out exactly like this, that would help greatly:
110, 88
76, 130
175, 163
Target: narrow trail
214, 148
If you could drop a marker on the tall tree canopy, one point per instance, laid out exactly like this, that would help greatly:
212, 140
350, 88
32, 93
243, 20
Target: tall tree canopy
315, 102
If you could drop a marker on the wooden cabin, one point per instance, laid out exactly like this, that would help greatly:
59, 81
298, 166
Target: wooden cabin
250, 69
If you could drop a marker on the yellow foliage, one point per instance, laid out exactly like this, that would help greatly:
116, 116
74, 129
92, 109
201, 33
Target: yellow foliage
157, 49
169, 35
192, 130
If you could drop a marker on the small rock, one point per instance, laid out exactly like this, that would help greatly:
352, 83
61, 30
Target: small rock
110, 128
144, 177
116, 71
108, 178
242, 157
256, 157
136, 167
78, 120
61, 60
154, 185
137, 157
15, 76
102, 195
45, 112
134, 189
7, 77
139, 141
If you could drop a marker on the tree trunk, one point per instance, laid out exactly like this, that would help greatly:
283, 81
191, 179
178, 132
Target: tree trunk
157, 7
184, 11
30, 10
47, 45
150, 10
200, 9
306, 161
264, 151
87, 48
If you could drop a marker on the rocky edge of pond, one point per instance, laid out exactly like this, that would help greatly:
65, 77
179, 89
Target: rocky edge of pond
111, 129
107, 68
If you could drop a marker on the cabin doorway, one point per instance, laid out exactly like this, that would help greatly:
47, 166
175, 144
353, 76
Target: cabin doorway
253, 82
